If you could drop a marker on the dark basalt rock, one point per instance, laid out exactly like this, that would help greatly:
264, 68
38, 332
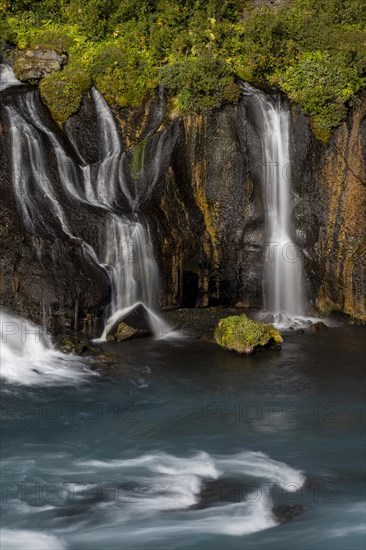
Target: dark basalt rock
133, 324
287, 512
48, 276
319, 326
220, 491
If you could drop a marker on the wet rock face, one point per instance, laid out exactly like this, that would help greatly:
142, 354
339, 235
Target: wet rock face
204, 210
330, 212
36, 63
47, 277
210, 233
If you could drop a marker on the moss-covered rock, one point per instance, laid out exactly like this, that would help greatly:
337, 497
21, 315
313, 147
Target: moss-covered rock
241, 334
63, 92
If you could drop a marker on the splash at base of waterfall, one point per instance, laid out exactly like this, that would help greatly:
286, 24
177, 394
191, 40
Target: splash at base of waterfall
134, 273
159, 327
28, 357
284, 321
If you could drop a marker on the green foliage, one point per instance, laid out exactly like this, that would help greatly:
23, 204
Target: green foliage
241, 334
200, 83
322, 88
63, 92
314, 50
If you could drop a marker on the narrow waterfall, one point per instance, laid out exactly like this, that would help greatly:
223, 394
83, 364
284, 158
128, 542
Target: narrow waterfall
126, 249
283, 268
7, 77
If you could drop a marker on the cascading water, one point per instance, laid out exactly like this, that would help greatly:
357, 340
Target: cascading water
127, 250
7, 77
127, 247
283, 269
135, 275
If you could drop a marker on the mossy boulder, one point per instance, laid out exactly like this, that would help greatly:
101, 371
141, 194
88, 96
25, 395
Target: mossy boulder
36, 63
241, 334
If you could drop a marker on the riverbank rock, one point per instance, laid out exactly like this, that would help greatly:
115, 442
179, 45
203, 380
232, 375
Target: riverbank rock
241, 334
34, 64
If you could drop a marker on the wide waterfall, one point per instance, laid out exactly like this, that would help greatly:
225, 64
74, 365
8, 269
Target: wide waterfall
283, 268
125, 247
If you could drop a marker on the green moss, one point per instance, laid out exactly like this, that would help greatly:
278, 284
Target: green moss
241, 334
138, 159
63, 92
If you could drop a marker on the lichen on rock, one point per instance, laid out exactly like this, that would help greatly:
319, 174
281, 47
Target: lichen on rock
241, 334
36, 63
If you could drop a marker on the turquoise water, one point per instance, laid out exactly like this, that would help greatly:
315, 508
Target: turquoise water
116, 460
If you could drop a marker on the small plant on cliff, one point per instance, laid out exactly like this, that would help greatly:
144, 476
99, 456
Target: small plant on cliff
241, 334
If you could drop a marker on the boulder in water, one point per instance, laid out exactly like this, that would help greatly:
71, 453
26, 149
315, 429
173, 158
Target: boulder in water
241, 334
287, 512
133, 324
319, 326
36, 63
125, 332
220, 491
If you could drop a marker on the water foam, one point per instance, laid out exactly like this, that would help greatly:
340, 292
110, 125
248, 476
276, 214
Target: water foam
14, 539
29, 358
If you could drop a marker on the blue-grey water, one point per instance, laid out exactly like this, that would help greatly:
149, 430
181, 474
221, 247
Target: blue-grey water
115, 460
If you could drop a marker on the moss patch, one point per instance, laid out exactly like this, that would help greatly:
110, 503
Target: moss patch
138, 159
241, 334
63, 92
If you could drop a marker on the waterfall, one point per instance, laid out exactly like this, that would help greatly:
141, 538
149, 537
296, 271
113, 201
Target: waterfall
283, 268
134, 272
126, 249
7, 77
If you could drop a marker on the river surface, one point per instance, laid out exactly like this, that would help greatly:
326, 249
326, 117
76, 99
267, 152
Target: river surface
116, 460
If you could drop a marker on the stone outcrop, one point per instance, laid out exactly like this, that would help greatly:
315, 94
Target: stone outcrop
36, 63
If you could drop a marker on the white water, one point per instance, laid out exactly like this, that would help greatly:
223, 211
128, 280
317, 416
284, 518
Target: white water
175, 483
28, 357
7, 77
134, 273
283, 268
126, 248
16, 539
